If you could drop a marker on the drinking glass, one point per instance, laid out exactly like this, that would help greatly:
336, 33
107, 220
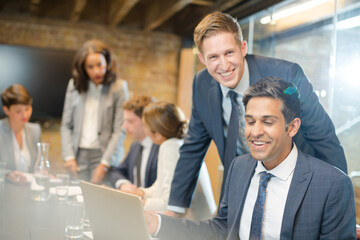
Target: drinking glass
74, 220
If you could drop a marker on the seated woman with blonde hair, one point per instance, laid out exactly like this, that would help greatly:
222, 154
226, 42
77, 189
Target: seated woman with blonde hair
165, 124
18, 137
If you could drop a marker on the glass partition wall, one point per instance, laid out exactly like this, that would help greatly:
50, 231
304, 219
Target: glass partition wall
323, 37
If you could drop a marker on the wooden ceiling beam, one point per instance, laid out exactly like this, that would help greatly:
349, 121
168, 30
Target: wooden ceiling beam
79, 6
202, 3
224, 5
163, 10
122, 9
35, 7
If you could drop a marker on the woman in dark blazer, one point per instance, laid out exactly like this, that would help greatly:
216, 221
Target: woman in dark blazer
18, 137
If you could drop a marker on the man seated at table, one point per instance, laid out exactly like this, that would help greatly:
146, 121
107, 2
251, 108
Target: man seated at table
139, 167
276, 191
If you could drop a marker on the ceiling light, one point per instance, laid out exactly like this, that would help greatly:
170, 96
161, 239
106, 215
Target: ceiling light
292, 11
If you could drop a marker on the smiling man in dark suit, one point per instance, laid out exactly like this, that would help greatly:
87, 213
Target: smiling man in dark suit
276, 191
139, 168
216, 103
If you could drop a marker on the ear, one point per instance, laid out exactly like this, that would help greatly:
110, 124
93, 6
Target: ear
201, 57
243, 48
6, 110
294, 126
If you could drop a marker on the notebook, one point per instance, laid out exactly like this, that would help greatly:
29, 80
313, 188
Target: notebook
114, 214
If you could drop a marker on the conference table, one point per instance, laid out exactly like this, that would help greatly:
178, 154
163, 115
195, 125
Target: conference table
22, 218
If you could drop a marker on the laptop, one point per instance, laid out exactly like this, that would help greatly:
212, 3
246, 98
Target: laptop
114, 214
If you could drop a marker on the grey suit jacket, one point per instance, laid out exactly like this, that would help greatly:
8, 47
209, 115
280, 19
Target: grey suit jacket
206, 124
33, 136
110, 118
320, 205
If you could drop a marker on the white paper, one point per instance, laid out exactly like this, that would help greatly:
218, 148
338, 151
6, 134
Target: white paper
73, 190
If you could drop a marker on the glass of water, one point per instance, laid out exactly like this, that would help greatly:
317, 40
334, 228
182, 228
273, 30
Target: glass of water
74, 220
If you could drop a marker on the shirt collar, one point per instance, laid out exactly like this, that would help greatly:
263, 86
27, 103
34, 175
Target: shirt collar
146, 142
93, 87
285, 168
242, 85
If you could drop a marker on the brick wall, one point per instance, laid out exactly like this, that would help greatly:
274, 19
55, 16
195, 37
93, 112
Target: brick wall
148, 61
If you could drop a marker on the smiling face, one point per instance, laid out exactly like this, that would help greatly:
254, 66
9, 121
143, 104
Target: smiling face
95, 67
265, 130
224, 58
18, 114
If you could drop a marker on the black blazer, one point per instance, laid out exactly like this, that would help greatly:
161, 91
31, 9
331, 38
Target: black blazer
126, 168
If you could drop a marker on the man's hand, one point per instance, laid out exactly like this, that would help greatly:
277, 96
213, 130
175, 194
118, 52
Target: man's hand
72, 167
173, 214
16, 177
152, 222
99, 173
128, 187
137, 192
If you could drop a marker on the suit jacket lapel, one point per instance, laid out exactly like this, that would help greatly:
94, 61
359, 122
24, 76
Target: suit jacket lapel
299, 184
9, 146
102, 106
254, 73
245, 175
215, 100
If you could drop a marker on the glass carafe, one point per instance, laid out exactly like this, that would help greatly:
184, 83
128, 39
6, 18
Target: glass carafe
40, 182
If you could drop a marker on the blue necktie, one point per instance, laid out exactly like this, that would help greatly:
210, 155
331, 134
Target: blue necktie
258, 212
232, 132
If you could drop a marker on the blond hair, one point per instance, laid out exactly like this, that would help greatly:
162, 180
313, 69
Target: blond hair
213, 24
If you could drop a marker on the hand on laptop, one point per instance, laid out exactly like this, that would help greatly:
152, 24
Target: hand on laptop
137, 192
173, 214
128, 187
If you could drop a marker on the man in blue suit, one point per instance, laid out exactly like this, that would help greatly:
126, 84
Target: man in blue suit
303, 198
139, 168
228, 68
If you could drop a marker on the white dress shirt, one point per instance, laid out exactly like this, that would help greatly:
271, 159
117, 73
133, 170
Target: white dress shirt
226, 106
157, 196
22, 156
276, 194
89, 134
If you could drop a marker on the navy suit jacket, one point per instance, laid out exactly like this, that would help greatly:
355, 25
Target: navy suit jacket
206, 124
320, 205
126, 168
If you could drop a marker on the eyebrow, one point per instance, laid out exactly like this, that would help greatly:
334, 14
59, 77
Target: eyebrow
265, 116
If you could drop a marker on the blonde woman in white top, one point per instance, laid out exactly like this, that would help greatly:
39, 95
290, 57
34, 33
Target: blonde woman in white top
165, 124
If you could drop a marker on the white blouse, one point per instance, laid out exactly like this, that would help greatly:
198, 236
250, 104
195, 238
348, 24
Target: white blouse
22, 156
157, 196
